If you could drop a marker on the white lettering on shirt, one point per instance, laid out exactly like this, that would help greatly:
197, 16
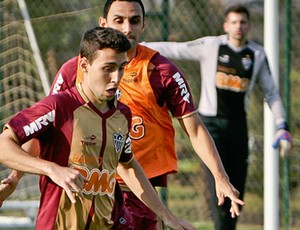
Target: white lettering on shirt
58, 83
184, 90
39, 123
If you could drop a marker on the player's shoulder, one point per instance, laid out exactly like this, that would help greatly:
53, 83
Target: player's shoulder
255, 46
70, 65
163, 64
67, 98
124, 109
212, 39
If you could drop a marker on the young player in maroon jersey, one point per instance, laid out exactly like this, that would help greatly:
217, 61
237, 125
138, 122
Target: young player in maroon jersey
83, 136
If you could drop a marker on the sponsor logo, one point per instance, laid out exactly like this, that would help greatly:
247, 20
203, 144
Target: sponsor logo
39, 123
80, 158
98, 182
130, 78
133, 74
122, 220
58, 83
224, 58
231, 82
184, 90
129, 81
89, 141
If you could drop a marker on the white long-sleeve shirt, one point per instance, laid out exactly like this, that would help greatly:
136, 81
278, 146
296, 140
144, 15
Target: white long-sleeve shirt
228, 74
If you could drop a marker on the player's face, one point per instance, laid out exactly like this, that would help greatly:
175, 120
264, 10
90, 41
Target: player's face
126, 17
237, 26
102, 76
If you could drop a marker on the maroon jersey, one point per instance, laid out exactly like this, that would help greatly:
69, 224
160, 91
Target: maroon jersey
170, 93
73, 133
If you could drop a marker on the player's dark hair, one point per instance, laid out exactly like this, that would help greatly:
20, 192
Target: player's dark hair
100, 38
109, 2
237, 8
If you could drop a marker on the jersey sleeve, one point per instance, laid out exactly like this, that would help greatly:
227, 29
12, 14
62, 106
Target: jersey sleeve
33, 121
271, 93
190, 50
175, 90
126, 155
65, 77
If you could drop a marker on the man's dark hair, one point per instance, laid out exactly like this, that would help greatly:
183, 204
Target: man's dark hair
109, 2
100, 38
237, 8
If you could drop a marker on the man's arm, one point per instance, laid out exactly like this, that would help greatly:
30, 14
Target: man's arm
177, 50
206, 150
8, 185
135, 178
283, 137
64, 79
14, 157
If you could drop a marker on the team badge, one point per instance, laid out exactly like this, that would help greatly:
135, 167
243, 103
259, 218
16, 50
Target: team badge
247, 62
118, 94
118, 141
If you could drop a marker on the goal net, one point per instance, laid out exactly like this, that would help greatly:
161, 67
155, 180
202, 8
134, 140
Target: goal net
20, 85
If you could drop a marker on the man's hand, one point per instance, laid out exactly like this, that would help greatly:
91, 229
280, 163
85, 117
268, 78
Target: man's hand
283, 139
225, 189
7, 187
69, 179
175, 223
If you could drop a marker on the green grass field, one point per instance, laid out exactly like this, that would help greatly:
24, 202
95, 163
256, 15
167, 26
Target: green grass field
209, 226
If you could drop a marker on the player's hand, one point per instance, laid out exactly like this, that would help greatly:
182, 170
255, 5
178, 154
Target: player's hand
7, 187
284, 141
225, 189
70, 180
176, 223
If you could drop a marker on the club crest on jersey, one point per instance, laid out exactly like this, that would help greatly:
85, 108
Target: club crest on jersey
118, 141
247, 62
118, 94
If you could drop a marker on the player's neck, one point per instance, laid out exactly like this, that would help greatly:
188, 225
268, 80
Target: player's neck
237, 43
131, 53
101, 105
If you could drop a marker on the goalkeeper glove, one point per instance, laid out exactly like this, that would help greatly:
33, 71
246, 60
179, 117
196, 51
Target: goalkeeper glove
283, 139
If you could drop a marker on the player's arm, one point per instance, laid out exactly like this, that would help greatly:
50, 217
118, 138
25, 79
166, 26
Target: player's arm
14, 157
8, 185
135, 178
177, 50
283, 137
206, 150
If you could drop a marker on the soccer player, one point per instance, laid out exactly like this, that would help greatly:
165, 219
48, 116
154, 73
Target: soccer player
83, 134
152, 87
230, 66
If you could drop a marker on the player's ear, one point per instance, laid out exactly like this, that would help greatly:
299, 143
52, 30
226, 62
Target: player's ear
225, 27
102, 22
84, 64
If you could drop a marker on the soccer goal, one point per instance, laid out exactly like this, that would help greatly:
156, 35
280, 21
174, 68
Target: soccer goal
21, 85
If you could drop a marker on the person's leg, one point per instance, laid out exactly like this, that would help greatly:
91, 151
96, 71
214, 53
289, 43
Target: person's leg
231, 142
143, 217
121, 215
